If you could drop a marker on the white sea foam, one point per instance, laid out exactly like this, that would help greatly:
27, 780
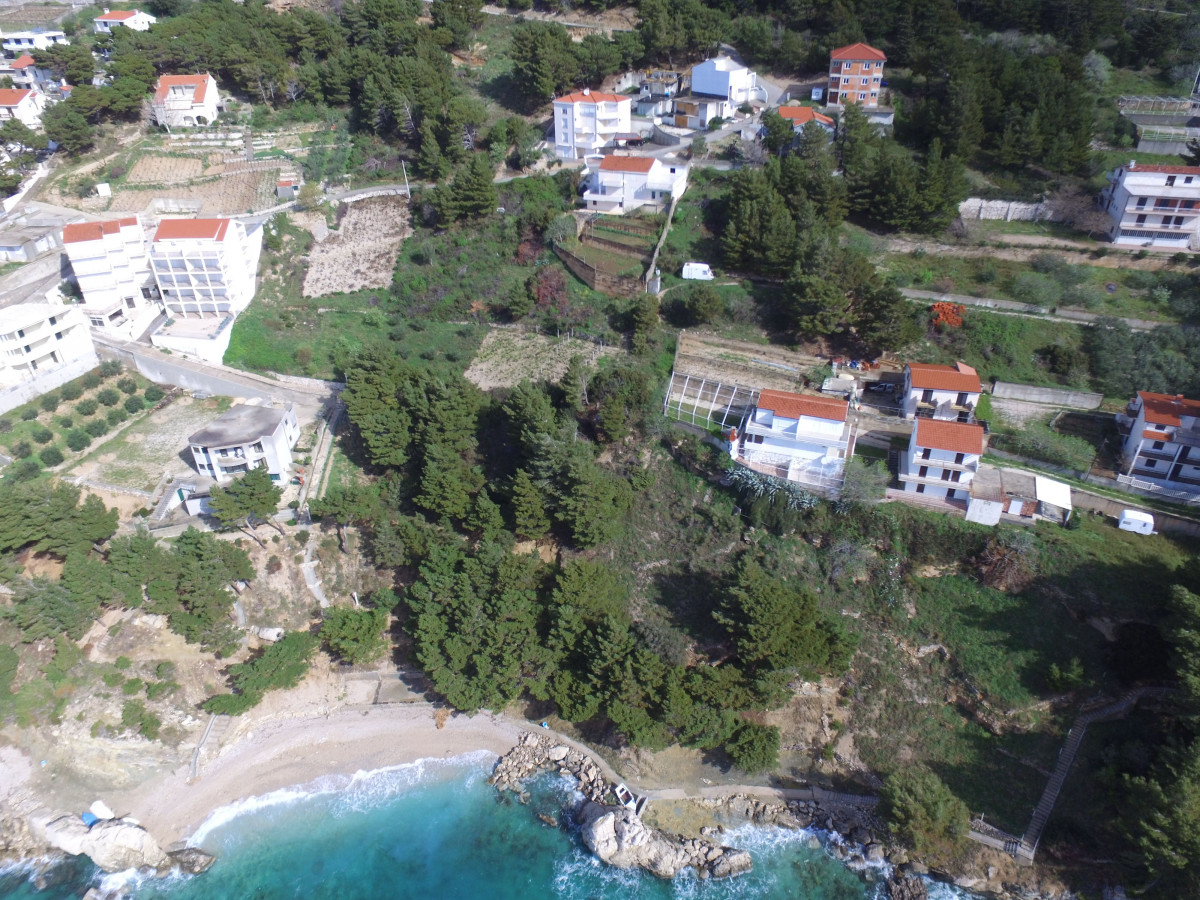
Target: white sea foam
364, 790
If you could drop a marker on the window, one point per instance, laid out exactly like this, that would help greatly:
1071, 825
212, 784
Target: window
958, 458
1141, 204
862, 96
864, 82
926, 453
1151, 463
920, 488
53, 320
927, 396
257, 447
954, 476
58, 335
20, 332
923, 471
1170, 181
946, 473
1179, 221
1157, 445
1141, 220
1188, 180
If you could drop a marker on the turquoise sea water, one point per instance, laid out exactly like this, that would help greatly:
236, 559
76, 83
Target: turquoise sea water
435, 830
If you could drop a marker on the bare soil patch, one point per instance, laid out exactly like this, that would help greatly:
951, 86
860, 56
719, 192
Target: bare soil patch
229, 195
362, 252
165, 169
507, 357
755, 366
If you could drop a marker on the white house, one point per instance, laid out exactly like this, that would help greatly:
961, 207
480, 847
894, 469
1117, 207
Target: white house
800, 116
23, 105
942, 392
1162, 447
796, 436
27, 75
133, 19
112, 269
620, 184
17, 42
245, 438
724, 78
184, 101
587, 120
942, 459
37, 338
659, 89
1153, 206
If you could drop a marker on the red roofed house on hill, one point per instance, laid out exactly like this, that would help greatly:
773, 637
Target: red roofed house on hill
942, 459
1162, 447
27, 75
855, 76
618, 184
133, 19
113, 273
940, 392
185, 101
23, 105
586, 121
1153, 206
799, 437
205, 269
800, 116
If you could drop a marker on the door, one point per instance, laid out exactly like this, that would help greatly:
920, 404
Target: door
681, 121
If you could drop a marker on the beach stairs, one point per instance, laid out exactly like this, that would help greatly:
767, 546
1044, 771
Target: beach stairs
209, 746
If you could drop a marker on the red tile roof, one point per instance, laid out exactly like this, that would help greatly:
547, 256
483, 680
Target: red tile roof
192, 229
793, 406
22, 61
1166, 170
953, 437
93, 231
117, 15
801, 115
12, 97
166, 82
591, 97
958, 377
1155, 435
858, 51
1165, 409
627, 164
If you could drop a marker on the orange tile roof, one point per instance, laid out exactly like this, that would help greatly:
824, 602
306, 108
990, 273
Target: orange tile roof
166, 82
22, 61
192, 229
801, 115
93, 231
591, 97
953, 437
1155, 435
958, 377
858, 51
117, 15
627, 163
12, 97
793, 406
1166, 170
1165, 409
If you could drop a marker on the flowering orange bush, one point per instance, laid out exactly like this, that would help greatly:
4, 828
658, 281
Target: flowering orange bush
947, 315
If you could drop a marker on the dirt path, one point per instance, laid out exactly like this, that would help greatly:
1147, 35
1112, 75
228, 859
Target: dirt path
1024, 310
1025, 248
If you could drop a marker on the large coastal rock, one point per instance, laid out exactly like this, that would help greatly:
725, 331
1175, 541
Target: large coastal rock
906, 887
112, 844
619, 838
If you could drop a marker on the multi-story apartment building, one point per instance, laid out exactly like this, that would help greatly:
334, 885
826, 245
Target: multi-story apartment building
17, 42
620, 184
133, 19
112, 269
940, 392
23, 105
718, 87
855, 76
184, 101
942, 459
586, 121
36, 338
1153, 206
799, 437
1163, 444
245, 438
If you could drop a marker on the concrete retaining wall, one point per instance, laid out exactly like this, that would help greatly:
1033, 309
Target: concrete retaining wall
1008, 210
160, 368
1162, 521
20, 394
1049, 396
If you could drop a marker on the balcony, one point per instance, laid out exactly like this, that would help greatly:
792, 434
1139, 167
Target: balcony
964, 466
794, 436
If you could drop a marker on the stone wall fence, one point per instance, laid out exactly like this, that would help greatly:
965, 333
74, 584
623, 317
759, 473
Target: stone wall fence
1009, 210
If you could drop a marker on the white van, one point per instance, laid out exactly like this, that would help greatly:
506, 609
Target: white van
697, 271
1136, 521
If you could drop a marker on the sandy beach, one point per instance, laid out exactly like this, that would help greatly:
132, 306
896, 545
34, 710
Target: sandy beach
277, 753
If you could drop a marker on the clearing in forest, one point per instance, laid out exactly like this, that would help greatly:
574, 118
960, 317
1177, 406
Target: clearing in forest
362, 252
507, 357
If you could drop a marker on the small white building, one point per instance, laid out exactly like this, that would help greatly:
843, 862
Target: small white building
799, 437
287, 189
942, 459
17, 42
1153, 206
112, 268
800, 116
1017, 496
722, 77
1162, 446
245, 438
185, 101
24, 105
586, 121
941, 392
37, 338
133, 19
620, 184
659, 89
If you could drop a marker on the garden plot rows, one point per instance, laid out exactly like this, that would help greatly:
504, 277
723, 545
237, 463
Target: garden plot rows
362, 252
222, 196
175, 169
508, 356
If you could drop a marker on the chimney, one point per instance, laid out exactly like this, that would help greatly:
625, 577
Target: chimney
106, 10
587, 92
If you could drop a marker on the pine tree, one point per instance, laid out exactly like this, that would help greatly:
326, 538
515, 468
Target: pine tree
486, 519
530, 520
430, 163
474, 189
249, 498
645, 321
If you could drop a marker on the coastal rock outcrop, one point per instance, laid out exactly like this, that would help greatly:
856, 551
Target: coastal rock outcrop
112, 844
190, 860
906, 887
619, 838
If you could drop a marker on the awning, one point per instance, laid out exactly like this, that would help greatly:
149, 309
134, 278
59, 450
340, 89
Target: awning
1053, 492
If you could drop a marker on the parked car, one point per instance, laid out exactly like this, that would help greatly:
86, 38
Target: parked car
881, 387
